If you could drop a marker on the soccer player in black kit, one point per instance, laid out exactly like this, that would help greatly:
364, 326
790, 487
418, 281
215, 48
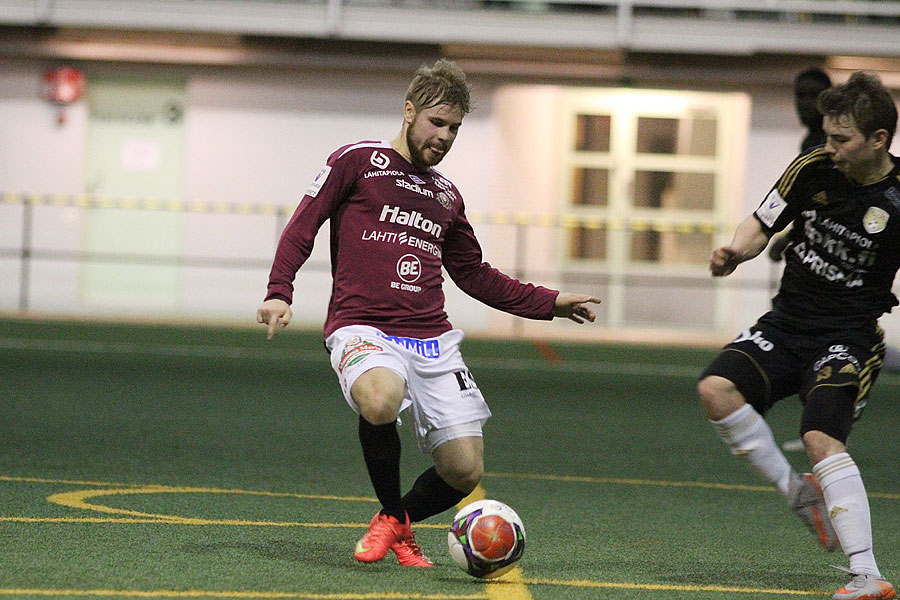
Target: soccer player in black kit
821, 340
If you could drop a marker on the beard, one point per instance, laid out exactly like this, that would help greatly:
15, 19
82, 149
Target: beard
416, 152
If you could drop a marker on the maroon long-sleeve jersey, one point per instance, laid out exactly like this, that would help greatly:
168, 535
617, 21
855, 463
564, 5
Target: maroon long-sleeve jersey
393, 226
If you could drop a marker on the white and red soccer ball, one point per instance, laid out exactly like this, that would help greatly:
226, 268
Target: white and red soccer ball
486, 538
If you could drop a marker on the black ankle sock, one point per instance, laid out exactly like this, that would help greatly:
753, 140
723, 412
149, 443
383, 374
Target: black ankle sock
381, 451
429, 496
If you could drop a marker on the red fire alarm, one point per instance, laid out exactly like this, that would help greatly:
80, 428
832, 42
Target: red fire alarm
62, 86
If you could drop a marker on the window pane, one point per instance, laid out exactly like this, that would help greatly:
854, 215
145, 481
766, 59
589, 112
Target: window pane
588, 243
690, 136
645, 246
590, 187
664, 302
652, 187
671, 247
592, 133
667, 189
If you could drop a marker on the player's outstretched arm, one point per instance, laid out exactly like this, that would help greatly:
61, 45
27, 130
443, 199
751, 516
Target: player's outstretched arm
276, 314
574, 307
778, 245
749, 240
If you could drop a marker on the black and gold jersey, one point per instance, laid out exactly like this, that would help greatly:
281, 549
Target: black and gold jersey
845, 243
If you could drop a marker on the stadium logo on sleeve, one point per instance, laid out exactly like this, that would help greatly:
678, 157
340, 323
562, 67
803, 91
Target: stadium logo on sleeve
771, 208
318, 182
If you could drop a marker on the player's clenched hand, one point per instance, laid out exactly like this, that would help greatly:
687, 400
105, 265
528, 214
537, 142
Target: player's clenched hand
724, 261
276, 314
573, 307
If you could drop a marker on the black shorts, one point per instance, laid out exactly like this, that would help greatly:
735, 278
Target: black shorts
772, 360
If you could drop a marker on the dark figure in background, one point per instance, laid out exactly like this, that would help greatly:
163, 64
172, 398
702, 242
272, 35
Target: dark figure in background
807, 86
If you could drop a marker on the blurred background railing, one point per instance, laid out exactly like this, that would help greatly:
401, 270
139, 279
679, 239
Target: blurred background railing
223, 280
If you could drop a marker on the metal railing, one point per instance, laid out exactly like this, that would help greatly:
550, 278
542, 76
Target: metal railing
519, 231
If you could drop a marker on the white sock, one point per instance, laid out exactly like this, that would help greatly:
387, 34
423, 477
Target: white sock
848, 506
749, 437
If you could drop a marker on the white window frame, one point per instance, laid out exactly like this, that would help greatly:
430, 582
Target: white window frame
625, 106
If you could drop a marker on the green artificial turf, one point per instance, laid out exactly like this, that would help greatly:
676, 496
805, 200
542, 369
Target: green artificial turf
197, 462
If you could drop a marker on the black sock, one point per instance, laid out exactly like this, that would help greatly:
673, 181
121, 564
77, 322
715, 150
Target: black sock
381, 450
429, 496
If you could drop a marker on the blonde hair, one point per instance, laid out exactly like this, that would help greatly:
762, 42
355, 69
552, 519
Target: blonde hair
442, 83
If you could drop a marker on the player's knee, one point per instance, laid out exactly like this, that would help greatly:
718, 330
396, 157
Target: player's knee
377, 407
820, 445
718, 397
377, 414
463, 472
378, 398
466, 480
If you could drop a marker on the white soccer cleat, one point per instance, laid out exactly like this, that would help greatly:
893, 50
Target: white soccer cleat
865, 587
809, 505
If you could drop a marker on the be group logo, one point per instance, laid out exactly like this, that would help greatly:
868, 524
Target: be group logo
409, 268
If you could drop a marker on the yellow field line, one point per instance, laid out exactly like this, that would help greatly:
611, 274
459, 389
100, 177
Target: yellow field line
512, 586
471, 498
236, 594
663, 587
500, 588
629, 481
66, 481
661, 483
78, 499
191, 521
509, 586
148, 488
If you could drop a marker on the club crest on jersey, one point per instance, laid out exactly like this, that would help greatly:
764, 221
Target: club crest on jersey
875, 219
444, 199
379, 160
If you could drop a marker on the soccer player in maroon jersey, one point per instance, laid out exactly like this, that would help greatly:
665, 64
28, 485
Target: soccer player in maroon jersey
821, 340
395, 222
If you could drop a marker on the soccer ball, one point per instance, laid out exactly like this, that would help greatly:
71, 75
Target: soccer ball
486, 539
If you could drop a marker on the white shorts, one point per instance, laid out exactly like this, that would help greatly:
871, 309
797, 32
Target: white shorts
442, 399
